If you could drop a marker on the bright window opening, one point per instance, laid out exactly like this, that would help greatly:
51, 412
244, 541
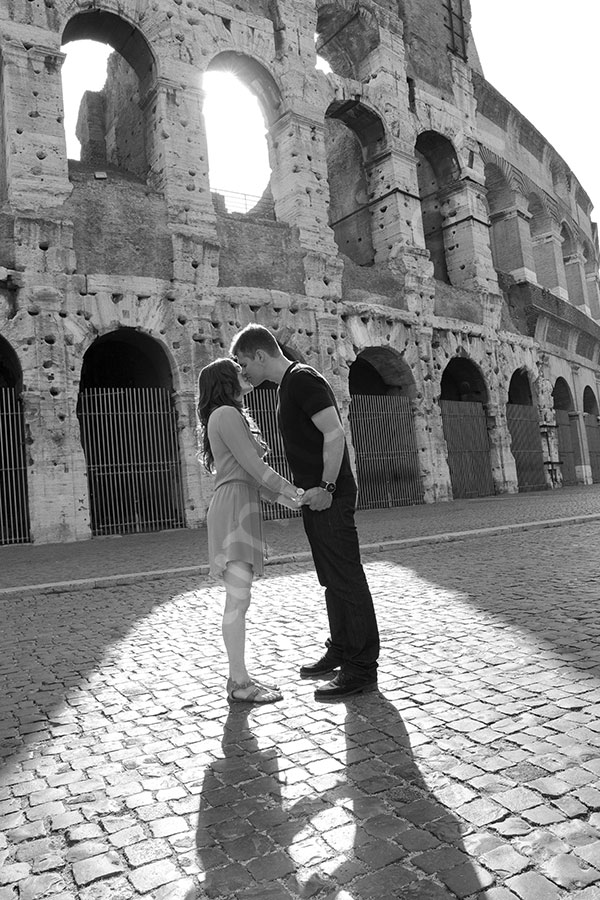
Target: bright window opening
84, 69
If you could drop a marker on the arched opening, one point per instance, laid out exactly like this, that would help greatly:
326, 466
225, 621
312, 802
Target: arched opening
129, 435
463, 395
590, 265
382, 426
354, 135
541, 228
592, 429
573, 265
346, 35
569, 450
111, 126
522, 418
437, 171
14, 501
241, 101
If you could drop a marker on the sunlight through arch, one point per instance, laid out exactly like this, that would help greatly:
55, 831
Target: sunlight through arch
84, 69
238, 155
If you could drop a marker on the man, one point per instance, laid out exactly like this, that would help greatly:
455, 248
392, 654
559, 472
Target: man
315, 446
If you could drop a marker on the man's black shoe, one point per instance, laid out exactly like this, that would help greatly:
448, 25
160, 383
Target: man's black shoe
323, 666
344, 686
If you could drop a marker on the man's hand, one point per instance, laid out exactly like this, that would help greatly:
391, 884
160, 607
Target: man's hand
317, 499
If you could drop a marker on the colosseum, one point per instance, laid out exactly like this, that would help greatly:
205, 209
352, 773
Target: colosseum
419, 242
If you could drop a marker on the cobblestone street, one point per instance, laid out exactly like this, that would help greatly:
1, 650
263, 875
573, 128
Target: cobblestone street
473, 773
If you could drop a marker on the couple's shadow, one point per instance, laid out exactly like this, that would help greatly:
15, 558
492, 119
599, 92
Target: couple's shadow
347, 808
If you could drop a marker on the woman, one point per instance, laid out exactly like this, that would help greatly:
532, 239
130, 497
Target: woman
232, 451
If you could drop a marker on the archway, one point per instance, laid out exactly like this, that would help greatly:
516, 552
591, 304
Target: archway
112, 127
463, 395
526, 442
592, 430
569, 450
354, 136
437, 171
382, 426
347, 33
129, 435
14, 501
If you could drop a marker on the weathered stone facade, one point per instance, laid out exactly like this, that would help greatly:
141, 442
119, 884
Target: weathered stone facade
414, 220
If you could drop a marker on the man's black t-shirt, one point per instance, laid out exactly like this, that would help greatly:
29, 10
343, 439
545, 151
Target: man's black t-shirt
303, 392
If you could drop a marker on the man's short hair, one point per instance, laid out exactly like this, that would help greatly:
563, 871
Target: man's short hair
252, 338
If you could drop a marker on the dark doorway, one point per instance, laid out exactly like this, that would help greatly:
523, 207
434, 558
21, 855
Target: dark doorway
14, 501
522, 418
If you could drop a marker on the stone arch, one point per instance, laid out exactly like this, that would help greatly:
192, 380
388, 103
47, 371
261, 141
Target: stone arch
462, 380
590, 402
522, 418
438, 170
354, 134
14, 496
113, 126
500, 198
129, 435
347, 33
255, 76
592, 431
463, 398
519, 389
569, 448
573, 264
382, 424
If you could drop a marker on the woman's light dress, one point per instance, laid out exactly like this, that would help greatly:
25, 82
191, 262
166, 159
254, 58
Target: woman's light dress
234, 518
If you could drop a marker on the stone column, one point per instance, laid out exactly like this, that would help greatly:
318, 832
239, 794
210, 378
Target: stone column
395, 205
511, 242
178, 164
35, 151
301, 196
549, 267
466, 234
576, 281
593, 293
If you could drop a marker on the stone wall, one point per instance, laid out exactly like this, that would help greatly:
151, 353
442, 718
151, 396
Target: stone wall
130, 248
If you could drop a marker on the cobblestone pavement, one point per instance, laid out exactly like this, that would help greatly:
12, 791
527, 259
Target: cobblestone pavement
474, 772
120, 559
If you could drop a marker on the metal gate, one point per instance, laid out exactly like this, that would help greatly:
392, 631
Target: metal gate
526, 446
592, 430
14, 502
566, 446
263, 409
468, 444
385, 447
130, 443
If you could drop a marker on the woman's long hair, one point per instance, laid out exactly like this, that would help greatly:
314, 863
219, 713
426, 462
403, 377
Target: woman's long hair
218, 385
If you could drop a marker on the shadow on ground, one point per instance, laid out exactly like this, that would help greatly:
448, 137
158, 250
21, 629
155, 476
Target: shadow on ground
373, 826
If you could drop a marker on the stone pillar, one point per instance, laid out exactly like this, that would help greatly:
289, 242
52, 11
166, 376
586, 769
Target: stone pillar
511, 242
576, 281
301, 196
466, 234
549, 267
583, 466
593, 293
178, 164
504, 468
395, 205
35, 151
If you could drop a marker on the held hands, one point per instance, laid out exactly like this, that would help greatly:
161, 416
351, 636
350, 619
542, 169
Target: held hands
317, 499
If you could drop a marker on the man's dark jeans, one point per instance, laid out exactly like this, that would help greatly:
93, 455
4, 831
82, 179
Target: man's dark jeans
335, 549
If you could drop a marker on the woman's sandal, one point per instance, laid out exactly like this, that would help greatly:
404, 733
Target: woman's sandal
257, 693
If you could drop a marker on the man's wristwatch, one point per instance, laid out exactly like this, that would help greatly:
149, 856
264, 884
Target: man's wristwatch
328, 486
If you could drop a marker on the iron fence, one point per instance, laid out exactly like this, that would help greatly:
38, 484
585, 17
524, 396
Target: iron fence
592, 430
386, 453
468, 444
262, 404
14, 501
130, 442
566, 446
526, 446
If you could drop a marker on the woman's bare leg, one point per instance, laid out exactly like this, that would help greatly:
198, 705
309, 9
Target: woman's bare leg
238, 587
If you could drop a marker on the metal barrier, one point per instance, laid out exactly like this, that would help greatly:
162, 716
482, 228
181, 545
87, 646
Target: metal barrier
130, 443
592, 430
385, 447
468, 443
235, 202
526, 446
262, 404
566, 446
14, 502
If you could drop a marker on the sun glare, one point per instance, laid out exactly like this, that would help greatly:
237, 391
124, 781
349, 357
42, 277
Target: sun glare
84, 69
